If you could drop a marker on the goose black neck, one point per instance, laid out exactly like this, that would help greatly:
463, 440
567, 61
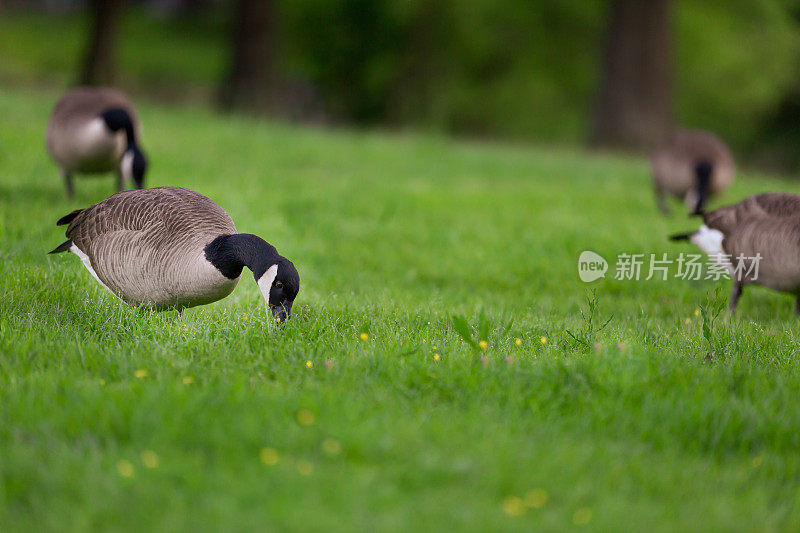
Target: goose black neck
230, 253
118, 119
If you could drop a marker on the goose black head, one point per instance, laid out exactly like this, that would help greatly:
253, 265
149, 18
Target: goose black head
134, 166
280, 284
276, 276
696, 198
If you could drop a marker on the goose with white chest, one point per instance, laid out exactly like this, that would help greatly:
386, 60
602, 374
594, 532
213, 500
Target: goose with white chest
760, 234
693, 166
173, 248
94, 130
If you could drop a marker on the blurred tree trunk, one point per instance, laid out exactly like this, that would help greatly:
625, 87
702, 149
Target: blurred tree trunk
251, 82
98, 64
634, 103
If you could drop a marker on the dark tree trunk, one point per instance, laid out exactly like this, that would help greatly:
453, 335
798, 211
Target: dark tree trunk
634, 103
251, 82
98, 64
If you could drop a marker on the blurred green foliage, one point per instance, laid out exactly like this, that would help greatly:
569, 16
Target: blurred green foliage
514, 69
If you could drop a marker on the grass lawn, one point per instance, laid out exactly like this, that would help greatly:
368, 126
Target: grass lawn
114, 418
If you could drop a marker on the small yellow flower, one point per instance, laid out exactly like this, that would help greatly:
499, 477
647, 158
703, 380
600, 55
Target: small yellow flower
305, 468
331, 446
423, 340
513, 506
141, 373
696, 312
278, 319
364, 336
102, 381
149, 458
125, 468
688, 320
269, 456
436, 357
543, 340
536, 498
188, 380
309, 364
582, 516
483, 345
518, 342
305, 417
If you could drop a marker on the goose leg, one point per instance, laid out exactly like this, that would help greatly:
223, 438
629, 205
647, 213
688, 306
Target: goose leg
68, 183
735, 293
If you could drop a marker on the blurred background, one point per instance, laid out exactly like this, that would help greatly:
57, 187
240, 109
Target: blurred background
606, 73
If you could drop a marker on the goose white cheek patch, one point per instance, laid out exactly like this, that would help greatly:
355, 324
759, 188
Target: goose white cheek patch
265, 283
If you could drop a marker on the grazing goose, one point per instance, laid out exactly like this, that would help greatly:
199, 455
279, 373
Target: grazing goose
692, 165
767, 225
93, 130
169, 247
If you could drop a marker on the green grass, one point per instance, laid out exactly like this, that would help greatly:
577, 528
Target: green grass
392, 235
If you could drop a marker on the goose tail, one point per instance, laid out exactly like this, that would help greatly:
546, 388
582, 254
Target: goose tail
682, 236
66, 219
63, 247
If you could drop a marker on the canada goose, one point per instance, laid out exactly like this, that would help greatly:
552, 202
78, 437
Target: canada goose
93, 130
170, 247
692, 165
756, 240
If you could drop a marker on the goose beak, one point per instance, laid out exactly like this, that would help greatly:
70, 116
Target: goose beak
281, 312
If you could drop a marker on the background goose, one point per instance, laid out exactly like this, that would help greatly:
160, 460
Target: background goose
93, 130
692, 165
767, 225
169, 247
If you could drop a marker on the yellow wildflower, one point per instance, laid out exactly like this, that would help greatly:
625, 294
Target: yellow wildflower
149, 458
331, 446
305, 417
305, 467
269, 456
513, 506
125, 468
536, 498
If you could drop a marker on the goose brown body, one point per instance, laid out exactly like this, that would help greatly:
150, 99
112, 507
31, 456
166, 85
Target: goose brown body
673, 163
78, 140
767, 225
764, 226
147, 246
